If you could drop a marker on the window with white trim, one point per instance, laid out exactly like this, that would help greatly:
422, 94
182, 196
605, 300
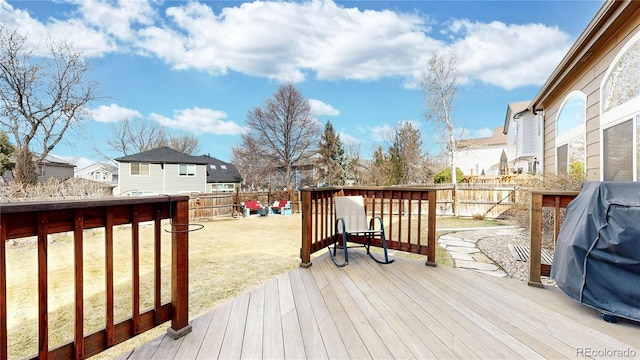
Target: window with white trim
570, 135
139, 169
620, 115
187, 169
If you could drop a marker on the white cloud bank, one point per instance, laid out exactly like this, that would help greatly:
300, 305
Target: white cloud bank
319, 108
289, 41
113, 113
199, 120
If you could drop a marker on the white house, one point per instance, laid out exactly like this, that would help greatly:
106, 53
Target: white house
524, 131
100, 172
481, 156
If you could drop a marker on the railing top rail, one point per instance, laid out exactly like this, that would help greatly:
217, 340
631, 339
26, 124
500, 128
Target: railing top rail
19, 207
384, 188
554, 192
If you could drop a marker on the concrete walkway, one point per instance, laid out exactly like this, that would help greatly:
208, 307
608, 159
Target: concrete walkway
462, 246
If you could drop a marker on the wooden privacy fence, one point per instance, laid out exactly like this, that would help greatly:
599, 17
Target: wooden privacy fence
484, 200
43, 219
490, 201
408, 214
211, 205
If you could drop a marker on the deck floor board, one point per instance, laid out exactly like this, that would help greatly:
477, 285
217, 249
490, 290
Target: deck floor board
401, 310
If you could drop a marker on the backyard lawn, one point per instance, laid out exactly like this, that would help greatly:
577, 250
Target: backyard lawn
226, 258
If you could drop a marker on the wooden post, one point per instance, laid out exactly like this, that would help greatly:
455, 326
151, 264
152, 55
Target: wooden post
535, 240
431, 229
305, 250
179, 270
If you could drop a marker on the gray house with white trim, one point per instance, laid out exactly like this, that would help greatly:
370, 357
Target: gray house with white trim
221, 176
161, 171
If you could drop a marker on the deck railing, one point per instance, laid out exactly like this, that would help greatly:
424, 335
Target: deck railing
402, 209
543, 199
43, 219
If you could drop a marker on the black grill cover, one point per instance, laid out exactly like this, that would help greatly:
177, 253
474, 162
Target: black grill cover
597, 256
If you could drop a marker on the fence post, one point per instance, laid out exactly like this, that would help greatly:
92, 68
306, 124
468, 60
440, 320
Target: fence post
535, 240
179, 270
305, 250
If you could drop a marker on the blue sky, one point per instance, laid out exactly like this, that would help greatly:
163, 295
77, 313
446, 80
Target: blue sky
198, 67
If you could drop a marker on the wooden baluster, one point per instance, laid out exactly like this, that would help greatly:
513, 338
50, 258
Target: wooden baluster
78, 229
3, 289
108, 254
157, 263
135, 273
43, 292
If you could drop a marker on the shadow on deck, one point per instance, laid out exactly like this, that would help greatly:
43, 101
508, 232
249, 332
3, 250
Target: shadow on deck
402, 310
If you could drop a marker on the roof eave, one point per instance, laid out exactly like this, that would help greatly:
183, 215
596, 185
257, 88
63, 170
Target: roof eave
609, 11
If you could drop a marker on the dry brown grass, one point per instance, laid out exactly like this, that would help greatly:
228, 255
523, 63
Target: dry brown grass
226, 258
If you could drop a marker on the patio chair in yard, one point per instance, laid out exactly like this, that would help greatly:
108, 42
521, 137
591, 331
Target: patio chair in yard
351, 220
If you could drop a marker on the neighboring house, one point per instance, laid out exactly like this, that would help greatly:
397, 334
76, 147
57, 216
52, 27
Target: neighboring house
221, 176
524, 138
161, 171
591, 101
53, 167
50, 167
100, 172
481, 155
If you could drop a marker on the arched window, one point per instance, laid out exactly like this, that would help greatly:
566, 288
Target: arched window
570, 135
620, 115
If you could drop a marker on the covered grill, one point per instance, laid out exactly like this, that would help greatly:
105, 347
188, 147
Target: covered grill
597, 256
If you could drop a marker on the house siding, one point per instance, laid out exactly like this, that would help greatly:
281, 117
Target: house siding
588, 81
176, 184
162, 179
57, 172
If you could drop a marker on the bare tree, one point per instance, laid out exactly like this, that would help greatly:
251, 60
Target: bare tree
188, 144
440, 87
42, 97
283, 131
354, 168
255, 174
129, 137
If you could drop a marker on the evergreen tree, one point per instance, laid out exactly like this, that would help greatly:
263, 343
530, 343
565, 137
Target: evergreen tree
25, 172
6, 149
332, 162
380, 170
406, 156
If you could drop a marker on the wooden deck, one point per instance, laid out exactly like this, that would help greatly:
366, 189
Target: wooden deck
402, 310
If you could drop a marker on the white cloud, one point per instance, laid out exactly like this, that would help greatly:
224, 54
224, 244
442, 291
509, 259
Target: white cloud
381, 133
113, 113
348, 140
198, 120
289, 41
89, 41
466, 133
319, 108
508, 56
